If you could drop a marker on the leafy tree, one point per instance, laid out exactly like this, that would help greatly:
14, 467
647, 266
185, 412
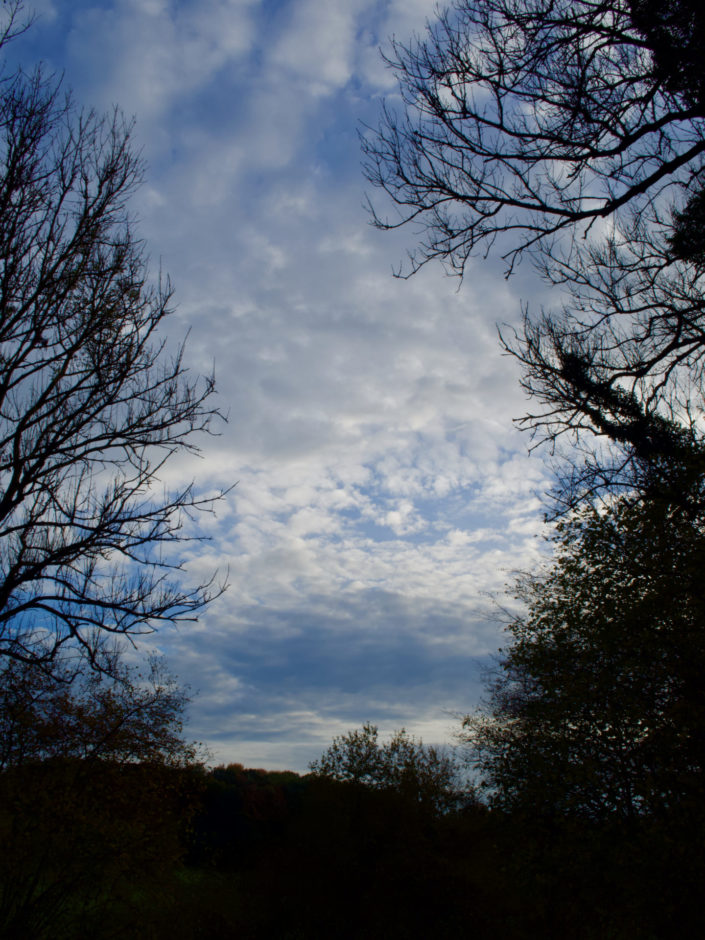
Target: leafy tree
598, 708
91, 404
72, 713
96, 786
424, 774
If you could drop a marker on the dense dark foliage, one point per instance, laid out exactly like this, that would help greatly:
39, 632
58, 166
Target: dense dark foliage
109, 829
164, 853
598, 709
94, 792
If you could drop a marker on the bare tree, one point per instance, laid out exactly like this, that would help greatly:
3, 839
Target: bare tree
91, 404
622, 361
574, 131
524, 119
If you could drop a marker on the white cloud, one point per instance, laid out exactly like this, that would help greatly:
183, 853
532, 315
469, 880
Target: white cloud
317, 48
148, 54
382, 492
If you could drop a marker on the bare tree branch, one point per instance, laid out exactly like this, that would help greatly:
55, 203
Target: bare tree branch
527, 120
91, 403
574, 131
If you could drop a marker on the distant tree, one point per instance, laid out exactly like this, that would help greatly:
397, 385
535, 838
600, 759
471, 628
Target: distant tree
598, 706
91, 403
424, 774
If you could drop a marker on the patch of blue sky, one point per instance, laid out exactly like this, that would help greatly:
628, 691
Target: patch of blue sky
340, 665
382, 491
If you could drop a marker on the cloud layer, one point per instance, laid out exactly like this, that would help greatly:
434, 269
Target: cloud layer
382, 493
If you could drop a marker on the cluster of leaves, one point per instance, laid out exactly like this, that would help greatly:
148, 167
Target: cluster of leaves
72, 713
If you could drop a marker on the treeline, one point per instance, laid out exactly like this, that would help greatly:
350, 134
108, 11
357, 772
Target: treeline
111, 828
107, 849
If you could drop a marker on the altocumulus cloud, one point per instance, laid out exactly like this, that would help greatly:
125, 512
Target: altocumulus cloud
382, 492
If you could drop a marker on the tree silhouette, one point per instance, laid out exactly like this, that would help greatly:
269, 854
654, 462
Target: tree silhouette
97, 785
530, 119
128, 716
597, 709
92, 404
421, 773
573, 131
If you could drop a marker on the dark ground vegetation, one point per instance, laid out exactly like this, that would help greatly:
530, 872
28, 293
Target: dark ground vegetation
108, 850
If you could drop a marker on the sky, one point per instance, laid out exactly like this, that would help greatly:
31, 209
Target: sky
383, 497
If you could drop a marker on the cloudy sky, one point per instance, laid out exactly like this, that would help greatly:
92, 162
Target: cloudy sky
382, 493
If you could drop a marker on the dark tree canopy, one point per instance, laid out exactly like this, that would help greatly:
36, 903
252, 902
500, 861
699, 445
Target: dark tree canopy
92, 404
96, 786
126, 717
675, 32
598, 706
